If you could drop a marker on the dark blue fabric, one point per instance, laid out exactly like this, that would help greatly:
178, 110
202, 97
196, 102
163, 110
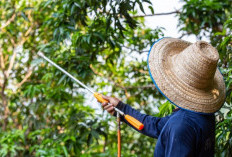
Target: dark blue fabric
182, 134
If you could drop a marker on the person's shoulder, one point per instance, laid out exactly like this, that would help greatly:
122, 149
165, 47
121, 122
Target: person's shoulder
180, 123
178, 116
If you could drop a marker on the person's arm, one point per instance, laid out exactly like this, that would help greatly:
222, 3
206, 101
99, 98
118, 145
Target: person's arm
152, 125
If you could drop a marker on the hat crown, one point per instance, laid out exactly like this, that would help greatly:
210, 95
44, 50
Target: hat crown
196, 64
187, 75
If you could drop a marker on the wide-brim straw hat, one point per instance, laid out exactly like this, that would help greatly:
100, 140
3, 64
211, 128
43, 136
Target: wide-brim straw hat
187, 74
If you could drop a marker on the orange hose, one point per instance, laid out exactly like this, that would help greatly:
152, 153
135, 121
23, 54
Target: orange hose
119, 135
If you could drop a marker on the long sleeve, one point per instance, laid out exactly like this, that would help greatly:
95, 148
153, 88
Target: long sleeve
152, 125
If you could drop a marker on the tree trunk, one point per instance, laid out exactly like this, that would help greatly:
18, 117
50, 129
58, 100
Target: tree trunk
5, 104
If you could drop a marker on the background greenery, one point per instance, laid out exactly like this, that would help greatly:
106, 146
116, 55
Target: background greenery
102, 43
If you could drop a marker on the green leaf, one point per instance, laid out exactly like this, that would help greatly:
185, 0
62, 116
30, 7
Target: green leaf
24, 16
65, 151
141, 6
61, 79
76, 4
99, 35
152, 10
73, 9
148, 1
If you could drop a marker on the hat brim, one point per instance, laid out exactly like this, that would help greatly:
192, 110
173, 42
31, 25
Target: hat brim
178, 93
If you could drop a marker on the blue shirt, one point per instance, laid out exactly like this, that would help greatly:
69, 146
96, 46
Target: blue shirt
182, 134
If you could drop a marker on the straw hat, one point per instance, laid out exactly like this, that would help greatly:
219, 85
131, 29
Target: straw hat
187, 74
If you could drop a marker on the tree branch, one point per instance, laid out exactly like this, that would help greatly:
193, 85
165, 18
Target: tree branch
158, 14
135, 49
8, 21
28, 31
11, 63
2, 64
22, 41
184, 34
141, 87
143, 71
25, 78
25, 37
4, 99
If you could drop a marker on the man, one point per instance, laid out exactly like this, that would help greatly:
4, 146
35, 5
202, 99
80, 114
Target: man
187, 75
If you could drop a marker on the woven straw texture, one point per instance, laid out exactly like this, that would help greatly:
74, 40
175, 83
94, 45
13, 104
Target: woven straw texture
187, 74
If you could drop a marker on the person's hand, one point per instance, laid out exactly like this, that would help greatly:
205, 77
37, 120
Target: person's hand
109, 107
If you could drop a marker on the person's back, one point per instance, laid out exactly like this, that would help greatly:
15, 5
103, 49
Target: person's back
195, 130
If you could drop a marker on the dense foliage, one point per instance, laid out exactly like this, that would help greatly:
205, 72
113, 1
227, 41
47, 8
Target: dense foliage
104, 44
